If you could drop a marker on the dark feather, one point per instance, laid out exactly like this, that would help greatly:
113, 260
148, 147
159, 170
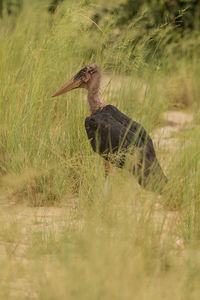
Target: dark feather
114, 135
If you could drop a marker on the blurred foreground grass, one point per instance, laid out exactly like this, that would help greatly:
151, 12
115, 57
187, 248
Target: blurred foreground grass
123, 244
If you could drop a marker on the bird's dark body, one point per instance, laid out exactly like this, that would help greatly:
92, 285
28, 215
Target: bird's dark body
114, 135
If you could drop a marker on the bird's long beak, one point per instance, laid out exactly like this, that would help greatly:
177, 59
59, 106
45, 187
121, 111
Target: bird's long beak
73, 83
70, 85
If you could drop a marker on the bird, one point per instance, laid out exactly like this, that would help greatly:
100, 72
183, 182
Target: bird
115, 136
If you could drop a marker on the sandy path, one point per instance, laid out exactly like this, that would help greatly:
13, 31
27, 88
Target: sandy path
166, 136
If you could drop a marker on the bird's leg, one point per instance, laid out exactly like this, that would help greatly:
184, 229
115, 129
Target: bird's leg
107, 168
107, 171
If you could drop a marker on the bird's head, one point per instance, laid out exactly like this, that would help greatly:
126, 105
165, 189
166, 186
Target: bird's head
88, 78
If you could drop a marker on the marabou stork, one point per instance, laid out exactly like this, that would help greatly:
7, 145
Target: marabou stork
113, 135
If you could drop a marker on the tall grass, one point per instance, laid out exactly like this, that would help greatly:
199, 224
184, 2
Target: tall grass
109, 245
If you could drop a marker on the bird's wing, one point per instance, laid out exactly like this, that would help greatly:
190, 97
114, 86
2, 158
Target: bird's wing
140, 137
105, 133
110, 131
113, 135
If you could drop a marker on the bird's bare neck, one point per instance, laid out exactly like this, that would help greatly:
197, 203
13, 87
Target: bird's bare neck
94, 100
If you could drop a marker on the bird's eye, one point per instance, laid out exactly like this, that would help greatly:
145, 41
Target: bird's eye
91, 71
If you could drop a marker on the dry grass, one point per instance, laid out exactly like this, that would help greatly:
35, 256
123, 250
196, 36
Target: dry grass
63, 236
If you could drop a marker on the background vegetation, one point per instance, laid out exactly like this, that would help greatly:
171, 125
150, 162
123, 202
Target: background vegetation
119, 243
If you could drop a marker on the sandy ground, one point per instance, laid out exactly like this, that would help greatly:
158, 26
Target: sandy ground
165, 137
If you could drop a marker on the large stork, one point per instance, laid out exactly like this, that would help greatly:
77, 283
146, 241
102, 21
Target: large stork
116, 137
